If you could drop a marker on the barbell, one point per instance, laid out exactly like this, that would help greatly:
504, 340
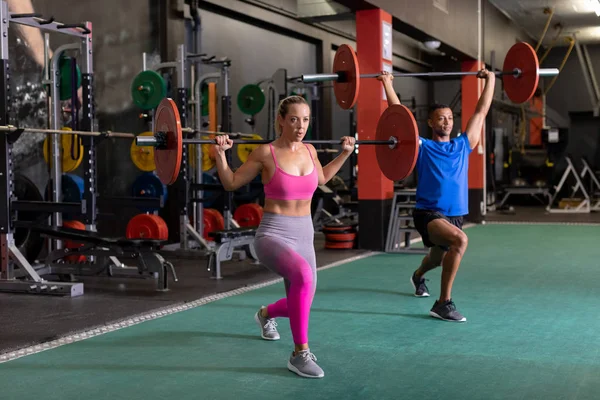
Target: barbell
520, 74
397, 141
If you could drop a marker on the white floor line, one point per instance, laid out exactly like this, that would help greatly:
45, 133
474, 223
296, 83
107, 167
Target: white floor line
90, 333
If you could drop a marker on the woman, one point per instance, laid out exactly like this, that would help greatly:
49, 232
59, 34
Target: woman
290, 172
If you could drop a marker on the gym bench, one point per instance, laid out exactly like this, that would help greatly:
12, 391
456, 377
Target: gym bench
226, 241
106, 253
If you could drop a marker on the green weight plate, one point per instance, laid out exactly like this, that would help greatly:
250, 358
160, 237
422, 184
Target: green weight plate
251, 99
64, 66
148, 89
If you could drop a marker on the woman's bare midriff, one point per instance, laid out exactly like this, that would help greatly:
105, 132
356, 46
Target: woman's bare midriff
294, 208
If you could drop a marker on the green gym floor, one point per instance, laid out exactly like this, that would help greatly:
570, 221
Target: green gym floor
529, 293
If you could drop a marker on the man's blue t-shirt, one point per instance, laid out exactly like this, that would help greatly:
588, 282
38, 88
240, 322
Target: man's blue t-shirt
443, 179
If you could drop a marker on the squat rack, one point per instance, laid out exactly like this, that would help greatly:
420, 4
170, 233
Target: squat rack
9, 250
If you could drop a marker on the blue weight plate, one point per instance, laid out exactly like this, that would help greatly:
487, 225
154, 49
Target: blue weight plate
148, 185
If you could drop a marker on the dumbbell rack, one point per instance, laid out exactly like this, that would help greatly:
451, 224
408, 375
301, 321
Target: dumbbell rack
401, 225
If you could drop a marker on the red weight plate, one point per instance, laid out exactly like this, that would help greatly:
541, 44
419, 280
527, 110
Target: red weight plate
339, 245
209, 224
520, 89
143, 226
219, 220
213, 221
345, 62
248, 214
397, 163
340, 237
168, 161
69, 244
162, 226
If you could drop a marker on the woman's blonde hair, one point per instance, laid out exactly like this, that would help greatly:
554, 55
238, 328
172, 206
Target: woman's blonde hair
283, 108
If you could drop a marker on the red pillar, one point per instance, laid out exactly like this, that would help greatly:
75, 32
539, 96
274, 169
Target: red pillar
375, 191
536, 123
472, 87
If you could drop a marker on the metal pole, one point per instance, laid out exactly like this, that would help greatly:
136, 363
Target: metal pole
55, 139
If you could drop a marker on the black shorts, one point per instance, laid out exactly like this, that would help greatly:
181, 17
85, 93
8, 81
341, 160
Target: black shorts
422, 218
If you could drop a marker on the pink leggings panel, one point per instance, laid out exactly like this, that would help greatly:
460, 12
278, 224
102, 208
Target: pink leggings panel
291, 255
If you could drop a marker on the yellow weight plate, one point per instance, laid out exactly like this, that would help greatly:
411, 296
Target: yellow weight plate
66, 143
208, 160
191, 154
244, 150
143, 156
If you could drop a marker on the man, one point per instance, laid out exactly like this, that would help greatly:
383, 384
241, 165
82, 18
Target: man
442, 193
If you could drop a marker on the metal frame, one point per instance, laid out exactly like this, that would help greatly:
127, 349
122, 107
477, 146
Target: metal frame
400, 226
34, 283
594, 187
584, 206
9, 251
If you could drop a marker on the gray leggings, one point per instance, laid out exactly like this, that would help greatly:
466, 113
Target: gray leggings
285, 245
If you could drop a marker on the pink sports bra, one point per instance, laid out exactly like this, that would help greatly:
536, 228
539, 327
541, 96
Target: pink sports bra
284, 186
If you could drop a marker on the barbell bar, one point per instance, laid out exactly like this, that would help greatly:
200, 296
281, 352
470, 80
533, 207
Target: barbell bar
123, 135
396, 141
159, 141
520, 74
311, 78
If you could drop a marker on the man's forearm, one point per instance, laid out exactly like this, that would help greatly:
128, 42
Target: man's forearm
485, 101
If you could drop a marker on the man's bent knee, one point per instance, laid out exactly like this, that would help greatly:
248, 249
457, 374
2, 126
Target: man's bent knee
459, 241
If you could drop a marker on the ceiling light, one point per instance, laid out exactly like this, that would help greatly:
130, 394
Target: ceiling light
433, 44
595, 4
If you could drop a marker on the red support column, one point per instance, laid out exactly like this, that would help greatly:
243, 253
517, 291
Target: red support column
375, 191
472, 87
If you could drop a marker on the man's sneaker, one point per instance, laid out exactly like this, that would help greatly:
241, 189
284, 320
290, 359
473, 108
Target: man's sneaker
304, 365
446, 311
268, 326
421, 289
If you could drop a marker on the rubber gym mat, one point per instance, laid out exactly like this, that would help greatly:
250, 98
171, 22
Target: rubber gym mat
529, 293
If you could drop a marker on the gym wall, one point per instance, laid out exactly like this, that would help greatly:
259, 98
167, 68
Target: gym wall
256, 54
584, 131
122, 31
570, 80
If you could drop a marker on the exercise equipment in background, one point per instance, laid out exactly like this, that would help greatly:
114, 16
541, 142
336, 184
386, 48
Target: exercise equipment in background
147, 184
248, 215
71, 151
251, 99
148, 89
147, 226
142, 157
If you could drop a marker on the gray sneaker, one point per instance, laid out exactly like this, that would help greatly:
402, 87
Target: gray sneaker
268, 326
446, 311
304, 365
421, 289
